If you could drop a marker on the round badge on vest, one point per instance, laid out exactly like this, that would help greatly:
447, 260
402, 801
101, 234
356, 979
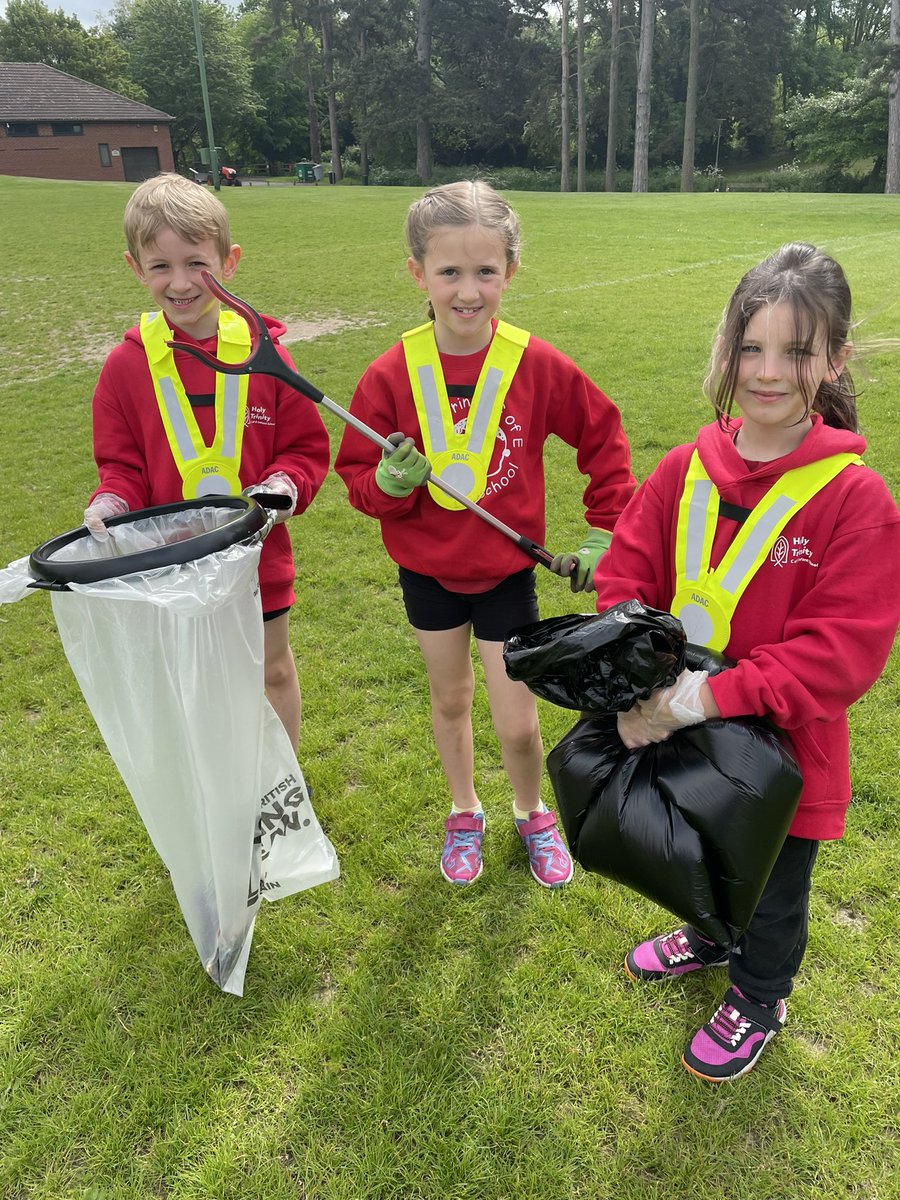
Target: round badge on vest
211, 479
705, 621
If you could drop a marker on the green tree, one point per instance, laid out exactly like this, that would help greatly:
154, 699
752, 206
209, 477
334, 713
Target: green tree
839, 128
373, 50
31, 33
278, 131
158, 36
744, 49
492, 57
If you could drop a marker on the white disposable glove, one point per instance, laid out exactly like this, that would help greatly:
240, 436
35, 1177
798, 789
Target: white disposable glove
674, 707
282, 485
100, 509
636, 731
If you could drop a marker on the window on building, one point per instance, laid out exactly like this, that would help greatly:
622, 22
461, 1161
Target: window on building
105, 159
21, 129
66, 129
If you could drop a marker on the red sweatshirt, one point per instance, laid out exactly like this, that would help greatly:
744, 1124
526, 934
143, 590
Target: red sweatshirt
814, 628
548, 394
283, 432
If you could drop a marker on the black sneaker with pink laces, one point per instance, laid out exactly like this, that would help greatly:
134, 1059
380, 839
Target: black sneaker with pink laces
734, 1037
673, 954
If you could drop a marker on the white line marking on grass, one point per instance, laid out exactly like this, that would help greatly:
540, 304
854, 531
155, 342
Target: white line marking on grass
624, 280
838, 246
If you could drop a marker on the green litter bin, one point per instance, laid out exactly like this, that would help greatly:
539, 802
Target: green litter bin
306, 172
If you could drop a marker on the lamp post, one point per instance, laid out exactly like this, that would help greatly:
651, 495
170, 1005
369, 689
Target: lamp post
213, 161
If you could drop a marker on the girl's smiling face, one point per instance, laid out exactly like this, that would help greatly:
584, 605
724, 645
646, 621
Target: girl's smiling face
170, 267
465, 274
779, 374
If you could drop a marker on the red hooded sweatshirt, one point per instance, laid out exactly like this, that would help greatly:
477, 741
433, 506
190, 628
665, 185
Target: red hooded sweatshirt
282, 432
814, 628
548, 395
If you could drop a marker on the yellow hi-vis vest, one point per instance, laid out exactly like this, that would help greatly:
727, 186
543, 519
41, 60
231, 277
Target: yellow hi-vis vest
462, 459
705, 600
205, 470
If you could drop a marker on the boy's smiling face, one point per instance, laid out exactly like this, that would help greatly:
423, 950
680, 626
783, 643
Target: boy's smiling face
170, 267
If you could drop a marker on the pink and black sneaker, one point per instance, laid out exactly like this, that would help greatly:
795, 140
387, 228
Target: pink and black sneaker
672, 954
461, 856
550, 862
729, 1044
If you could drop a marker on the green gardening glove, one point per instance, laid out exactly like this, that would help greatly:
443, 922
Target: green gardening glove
580, 566
405, 469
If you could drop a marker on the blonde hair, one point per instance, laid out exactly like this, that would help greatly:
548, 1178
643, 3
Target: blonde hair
170, 201
816, 288
469, 202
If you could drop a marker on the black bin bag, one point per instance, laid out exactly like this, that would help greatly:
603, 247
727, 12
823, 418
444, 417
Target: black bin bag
694, 823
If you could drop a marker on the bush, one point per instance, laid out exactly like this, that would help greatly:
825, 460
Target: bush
820, 179
541, 179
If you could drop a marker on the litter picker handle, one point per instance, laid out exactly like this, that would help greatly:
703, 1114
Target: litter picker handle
531, 548
264, 359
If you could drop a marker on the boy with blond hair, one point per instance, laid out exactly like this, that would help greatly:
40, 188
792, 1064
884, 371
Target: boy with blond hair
154, 406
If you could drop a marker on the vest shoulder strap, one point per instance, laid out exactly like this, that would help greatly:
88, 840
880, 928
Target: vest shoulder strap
511, 333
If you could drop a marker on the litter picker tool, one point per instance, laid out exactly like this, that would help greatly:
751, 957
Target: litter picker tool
264, 359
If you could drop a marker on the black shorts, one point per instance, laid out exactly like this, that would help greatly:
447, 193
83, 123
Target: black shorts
492, 614
276, 612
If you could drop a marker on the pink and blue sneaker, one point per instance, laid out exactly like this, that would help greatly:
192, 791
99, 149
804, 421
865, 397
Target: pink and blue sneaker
550, 862
732, 1040
461, 856
672, 954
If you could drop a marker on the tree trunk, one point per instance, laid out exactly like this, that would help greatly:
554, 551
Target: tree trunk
690, 104
364, 113
581, 133
564, 184
892, 176
315, 141
613, 117
328, 68
640, 182
424, 163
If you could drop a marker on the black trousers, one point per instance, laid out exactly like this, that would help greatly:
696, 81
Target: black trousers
766, 959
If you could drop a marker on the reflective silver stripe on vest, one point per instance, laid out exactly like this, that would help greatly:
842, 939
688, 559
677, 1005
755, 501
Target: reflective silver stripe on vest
484, 410
432, 403
177, 419
229, 415
476, 431
756, 536
230, 398
696, 530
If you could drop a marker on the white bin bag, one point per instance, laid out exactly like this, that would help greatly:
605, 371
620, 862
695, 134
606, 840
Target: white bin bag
170, 662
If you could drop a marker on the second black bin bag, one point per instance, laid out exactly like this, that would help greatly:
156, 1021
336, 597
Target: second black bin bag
694, 823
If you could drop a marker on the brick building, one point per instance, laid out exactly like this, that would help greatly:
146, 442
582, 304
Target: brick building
54, 126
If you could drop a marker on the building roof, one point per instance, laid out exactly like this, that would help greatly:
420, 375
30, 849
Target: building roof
35, 92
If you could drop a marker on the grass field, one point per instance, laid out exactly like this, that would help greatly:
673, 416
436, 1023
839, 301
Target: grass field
400, 1040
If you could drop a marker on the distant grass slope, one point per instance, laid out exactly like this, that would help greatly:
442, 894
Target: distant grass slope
400, 1040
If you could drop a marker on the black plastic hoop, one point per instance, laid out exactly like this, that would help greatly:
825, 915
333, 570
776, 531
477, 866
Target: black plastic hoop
250, 520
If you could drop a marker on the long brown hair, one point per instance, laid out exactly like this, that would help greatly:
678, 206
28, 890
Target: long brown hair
816, 289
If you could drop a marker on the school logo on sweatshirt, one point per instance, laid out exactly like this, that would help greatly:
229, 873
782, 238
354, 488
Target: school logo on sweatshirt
791, 551
257, 414
509, 437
